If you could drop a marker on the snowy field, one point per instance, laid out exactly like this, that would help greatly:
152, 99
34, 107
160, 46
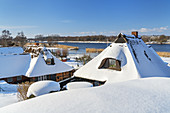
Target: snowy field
149, 95
152, 97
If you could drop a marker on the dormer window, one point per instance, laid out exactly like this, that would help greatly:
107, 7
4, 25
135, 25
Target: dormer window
110, 63
50, 61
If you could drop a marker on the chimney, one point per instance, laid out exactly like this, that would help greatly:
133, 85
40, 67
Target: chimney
135, 33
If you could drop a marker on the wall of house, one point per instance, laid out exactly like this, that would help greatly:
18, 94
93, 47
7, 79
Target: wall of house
15, 80
55, 77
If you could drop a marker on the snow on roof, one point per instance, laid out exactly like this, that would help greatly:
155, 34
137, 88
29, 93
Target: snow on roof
78, 85
11, 50
13, 65
38, 67
16, 65
151, 95
43, 87
136, 58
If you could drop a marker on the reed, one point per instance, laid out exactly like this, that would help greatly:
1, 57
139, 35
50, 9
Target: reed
66, 47
164, 54
93, 50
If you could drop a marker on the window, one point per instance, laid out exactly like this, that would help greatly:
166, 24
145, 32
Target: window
9, 79
19, 77
50, 61
53, 77
110, 63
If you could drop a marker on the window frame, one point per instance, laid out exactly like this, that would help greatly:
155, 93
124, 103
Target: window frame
117, 68
19, 78
10, 79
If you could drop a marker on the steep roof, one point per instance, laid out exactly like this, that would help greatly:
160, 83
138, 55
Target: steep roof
14, 65
11, 50
137, 61
38, 67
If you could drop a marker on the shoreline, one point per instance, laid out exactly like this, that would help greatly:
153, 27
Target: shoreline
168, 43
83, 42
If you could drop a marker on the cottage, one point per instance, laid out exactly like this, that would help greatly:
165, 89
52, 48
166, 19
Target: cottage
18, 68
126, 59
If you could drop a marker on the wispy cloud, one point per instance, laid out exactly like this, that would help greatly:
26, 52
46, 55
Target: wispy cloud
17, 27
160, 29
85, 33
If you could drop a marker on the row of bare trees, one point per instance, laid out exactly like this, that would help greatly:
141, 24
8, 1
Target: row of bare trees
7, 40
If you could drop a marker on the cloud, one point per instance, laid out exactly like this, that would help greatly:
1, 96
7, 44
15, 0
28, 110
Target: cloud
17, 27
160, 29
86, 33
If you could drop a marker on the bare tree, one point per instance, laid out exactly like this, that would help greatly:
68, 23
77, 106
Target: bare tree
6, 38
20, 39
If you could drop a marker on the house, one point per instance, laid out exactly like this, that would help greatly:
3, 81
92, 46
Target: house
17, 68
126, 59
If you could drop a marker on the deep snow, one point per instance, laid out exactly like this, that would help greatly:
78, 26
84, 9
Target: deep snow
134, 96
8, 93
78, 85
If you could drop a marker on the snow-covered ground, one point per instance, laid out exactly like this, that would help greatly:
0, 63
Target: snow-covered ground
166, 59
8, 94
148, 95
73, 63
78, 85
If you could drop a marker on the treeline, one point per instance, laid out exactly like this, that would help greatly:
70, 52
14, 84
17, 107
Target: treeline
20, 39
75, 38
156, 38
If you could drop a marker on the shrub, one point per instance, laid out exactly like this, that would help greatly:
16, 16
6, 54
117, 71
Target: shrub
22, 91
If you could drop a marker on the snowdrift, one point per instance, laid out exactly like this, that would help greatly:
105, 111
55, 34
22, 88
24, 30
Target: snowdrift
136, 96
43, 87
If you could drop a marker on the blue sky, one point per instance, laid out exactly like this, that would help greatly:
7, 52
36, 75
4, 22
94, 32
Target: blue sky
85, 17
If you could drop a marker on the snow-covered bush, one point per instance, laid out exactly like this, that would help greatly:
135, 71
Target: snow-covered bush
43, 87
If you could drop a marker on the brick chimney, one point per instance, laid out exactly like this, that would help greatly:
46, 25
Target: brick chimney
135, 33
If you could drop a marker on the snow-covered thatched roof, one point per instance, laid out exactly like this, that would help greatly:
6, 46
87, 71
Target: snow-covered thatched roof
136, 60
149, 95
38, 66
11, 50
16, 65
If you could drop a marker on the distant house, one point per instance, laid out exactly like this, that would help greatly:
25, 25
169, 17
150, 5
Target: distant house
17, 68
